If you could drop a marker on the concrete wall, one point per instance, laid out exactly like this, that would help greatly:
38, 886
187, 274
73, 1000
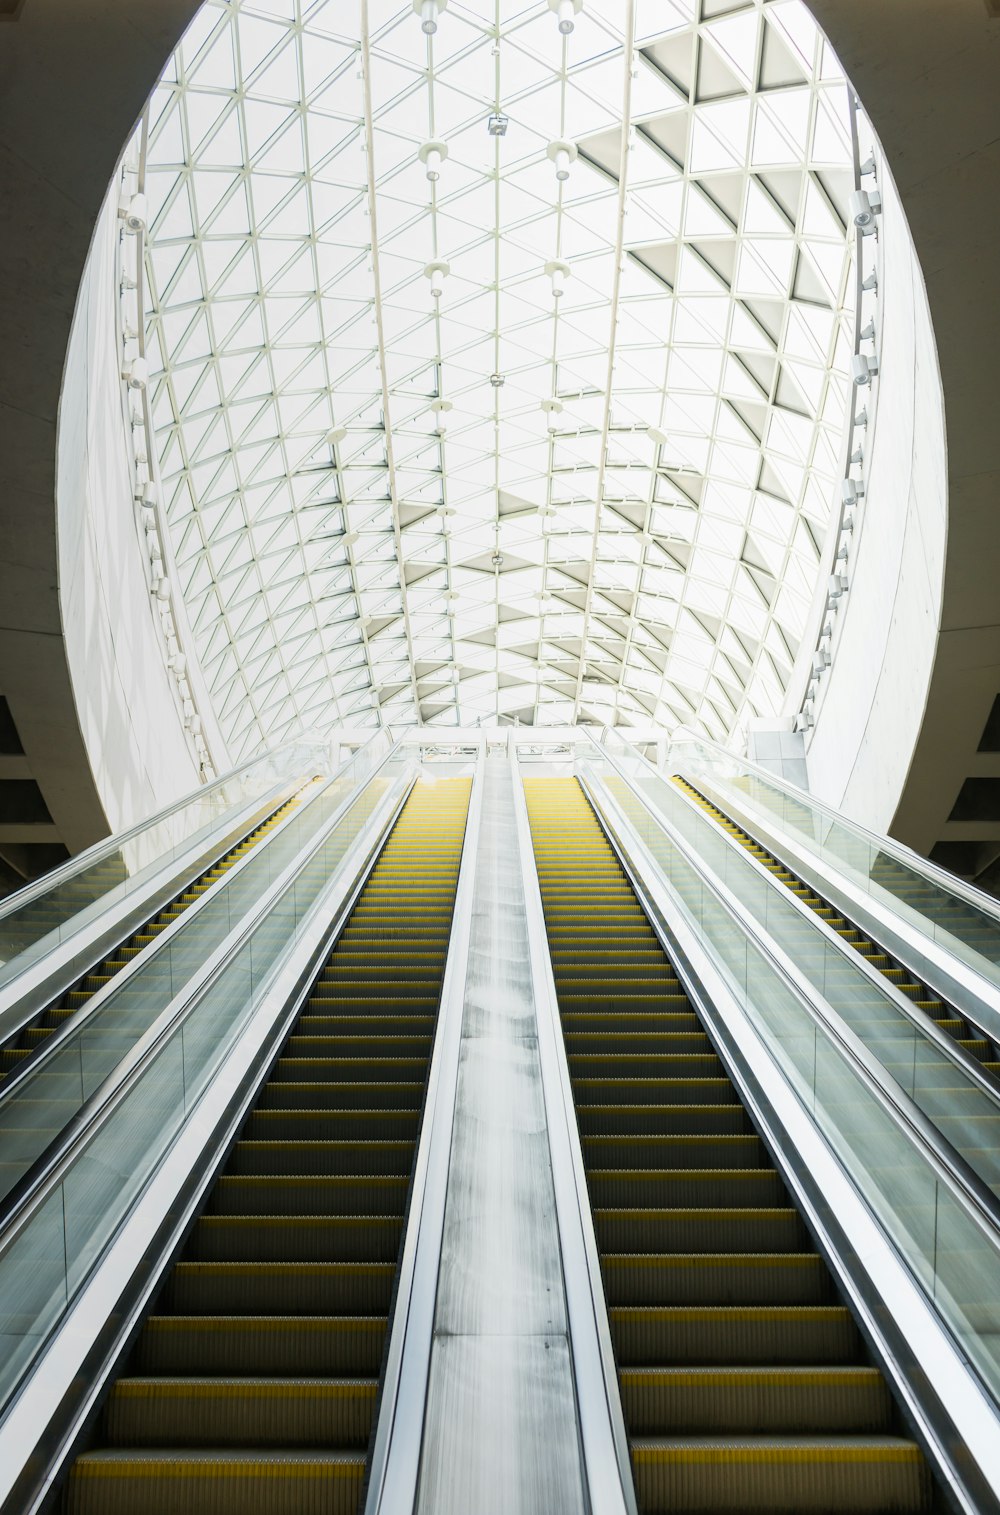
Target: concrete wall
128, 712
886, 640
927, 73
74, 75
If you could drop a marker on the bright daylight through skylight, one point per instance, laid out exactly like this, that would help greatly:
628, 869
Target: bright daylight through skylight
498, 370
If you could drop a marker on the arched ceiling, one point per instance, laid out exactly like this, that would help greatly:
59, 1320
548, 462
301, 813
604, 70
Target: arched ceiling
496, 502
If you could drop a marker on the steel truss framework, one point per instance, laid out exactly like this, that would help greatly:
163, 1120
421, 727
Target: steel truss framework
605, 504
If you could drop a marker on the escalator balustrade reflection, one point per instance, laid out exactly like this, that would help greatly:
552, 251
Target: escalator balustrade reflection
25, 1042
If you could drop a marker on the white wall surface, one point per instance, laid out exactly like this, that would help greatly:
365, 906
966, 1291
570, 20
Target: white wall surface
128, 713
876, 691
779, 750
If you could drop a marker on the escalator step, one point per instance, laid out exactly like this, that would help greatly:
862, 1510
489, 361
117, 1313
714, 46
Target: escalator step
345, 1095
700, 1230
869, 1475
247, 1288
308, 1123
629, 1118
326, 1157
643, 1187
754, 1400
733, 1335
735, 1278
319, 1194
260, 1412
302, 1238
631, 1152
329, 1345
121, 1482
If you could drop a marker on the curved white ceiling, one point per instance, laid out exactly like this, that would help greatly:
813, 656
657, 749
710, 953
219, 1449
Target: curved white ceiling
607, 505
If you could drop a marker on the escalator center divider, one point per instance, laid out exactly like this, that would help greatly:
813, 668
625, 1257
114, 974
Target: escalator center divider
743, 1377
946, 1016
253, 1384
29, 1038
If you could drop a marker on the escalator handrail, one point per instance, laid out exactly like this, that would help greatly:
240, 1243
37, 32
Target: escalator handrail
949, 882
604, 1439
968, 1189
45, 1174
138, 964
398, 1436
111, 844
919, 1019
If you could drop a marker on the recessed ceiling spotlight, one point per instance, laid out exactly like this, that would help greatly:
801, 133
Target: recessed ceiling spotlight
657, 435
428, 11
336, 436
567, 11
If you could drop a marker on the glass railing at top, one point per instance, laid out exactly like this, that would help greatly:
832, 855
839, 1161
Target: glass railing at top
50, 910
950, 912
944, 1082
51, 1088
49, 1245
950, 1243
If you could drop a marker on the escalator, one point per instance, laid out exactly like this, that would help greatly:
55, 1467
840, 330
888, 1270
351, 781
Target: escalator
744, 1380
946, 1016
19, 1047
253, 1383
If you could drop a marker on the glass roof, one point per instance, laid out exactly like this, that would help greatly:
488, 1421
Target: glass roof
498, 444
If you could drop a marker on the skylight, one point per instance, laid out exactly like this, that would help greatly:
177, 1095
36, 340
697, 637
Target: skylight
498, 500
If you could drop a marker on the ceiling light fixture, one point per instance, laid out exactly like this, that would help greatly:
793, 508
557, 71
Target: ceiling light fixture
136, 375
437, 272
864, 206
562, 154
441, 409
496, 124
567, 11
553, 409
558, 272
428, 11
136, 214
432, 155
